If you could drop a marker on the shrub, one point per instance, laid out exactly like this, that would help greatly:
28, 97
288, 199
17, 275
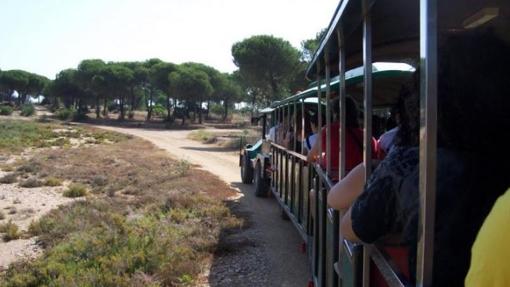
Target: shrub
158, 110
10, 230
31, 183
5, 110
182, 167
9, 178
79, 116
65, 114
76, 190
27, 110
2, 215
53, 181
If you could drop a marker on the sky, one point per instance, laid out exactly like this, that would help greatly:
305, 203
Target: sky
47, 36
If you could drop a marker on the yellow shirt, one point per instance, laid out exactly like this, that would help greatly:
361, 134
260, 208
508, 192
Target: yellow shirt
490, 254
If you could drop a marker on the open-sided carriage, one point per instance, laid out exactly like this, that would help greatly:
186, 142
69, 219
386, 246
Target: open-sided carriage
365, 33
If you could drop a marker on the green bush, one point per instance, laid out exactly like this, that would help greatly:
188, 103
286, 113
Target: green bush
65, 114
53, 181
27, 110
10, 230
6, 110
159, 111
76, 190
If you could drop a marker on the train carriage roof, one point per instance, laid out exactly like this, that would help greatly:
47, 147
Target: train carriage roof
395, 28
388, 78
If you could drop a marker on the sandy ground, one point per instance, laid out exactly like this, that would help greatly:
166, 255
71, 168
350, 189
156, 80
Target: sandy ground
283, 264
22, 206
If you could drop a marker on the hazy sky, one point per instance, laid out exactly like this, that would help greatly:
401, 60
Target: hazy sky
46, 36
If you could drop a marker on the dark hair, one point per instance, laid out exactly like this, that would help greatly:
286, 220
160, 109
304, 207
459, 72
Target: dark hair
351, 112
474, 93
408, 110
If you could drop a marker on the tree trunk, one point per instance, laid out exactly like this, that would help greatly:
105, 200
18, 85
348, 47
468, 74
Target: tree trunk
121, 102
207, 112
150, 106
225, 115
105, 107
200, 112
253, 99
132, 98
98, 107
168, 108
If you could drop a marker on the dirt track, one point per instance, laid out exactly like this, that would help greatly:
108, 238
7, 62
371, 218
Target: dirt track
275, 259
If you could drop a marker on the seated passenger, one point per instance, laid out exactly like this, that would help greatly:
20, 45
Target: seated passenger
343, 193
387, 139
490, 252
471, 161
312, 137
353, 141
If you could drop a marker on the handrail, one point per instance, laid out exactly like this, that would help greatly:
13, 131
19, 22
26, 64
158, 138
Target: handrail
291, 152
387, 271
325, 178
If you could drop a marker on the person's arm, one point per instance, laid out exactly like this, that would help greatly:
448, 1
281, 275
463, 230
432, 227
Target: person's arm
313, 155
343, 194
346, 228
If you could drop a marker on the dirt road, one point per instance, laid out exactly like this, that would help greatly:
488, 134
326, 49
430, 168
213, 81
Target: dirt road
270, 247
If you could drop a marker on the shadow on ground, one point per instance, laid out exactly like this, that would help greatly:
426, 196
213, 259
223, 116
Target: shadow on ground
240, 258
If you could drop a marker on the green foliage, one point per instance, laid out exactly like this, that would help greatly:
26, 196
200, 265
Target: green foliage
309, 46
5, 111
159, 110
267, 65
52, 181
27, 110
10, 231
65, 114
18, 135
202, 136
76, 190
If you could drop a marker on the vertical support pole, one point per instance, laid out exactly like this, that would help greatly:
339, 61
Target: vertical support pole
342, 132
319, 112
264, 125
328, 111
428, 141
294, 143
303, 134
367, 137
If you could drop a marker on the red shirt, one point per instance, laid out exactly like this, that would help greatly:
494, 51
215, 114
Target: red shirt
353, 145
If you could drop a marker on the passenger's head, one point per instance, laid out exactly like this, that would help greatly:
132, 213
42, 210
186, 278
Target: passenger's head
408, 109
351, 112
474, 93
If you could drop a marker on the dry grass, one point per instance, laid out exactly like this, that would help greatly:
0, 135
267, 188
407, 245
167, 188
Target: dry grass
76, 190
10, 231
9, 178
152, 220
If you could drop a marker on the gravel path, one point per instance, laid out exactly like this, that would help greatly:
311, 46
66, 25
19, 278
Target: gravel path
266, 253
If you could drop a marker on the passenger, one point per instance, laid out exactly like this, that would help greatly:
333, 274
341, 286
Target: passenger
387, 139
471, 161
342, 194
314, 126
272, 132
353, 141
490, 252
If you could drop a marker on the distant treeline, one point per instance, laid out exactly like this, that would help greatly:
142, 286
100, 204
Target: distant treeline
269, 69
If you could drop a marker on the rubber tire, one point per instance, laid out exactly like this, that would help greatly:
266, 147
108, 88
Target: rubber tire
261, 184
246, 170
